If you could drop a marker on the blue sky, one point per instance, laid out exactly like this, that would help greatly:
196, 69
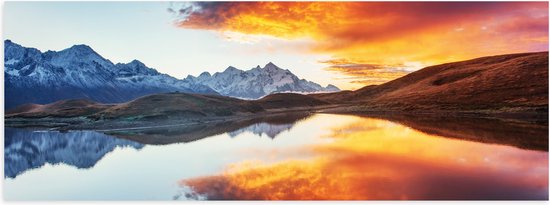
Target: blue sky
123, 31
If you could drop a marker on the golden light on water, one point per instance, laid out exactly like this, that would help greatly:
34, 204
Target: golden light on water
377, 159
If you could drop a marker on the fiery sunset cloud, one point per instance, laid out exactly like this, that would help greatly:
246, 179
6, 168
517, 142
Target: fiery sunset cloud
380, 41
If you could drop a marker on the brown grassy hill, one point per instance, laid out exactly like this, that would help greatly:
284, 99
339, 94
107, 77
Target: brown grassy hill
182, 105
506, 83
62, 108
29, 107
168, 106
288, 100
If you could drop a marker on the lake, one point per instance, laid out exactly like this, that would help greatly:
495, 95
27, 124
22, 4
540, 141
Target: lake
300, 156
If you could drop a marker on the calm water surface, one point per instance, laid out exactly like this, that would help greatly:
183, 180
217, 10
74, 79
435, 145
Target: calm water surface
323, 156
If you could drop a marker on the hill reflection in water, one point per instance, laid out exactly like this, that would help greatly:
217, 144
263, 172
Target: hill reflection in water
307, 156
372, 158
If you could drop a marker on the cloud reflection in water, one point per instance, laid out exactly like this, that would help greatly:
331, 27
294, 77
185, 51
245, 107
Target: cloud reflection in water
377, 159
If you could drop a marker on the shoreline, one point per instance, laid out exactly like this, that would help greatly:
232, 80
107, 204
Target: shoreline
86, 123
518, 132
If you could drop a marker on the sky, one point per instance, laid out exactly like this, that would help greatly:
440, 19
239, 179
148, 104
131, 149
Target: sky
348, 44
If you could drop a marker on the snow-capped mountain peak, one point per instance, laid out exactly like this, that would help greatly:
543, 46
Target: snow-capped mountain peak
77, 56
135, 67
14, 52
81, 48
257, 82
79, 72
271, 66
136, 62
80, 52
229, 71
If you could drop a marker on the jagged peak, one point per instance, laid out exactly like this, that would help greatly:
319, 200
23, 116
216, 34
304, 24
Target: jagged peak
133, 63
137, 67
231, 69
136, 62
14, 50
9, 43
81, 49
189, 77
271, 66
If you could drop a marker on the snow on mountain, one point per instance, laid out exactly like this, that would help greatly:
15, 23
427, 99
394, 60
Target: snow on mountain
79, 72
257, 82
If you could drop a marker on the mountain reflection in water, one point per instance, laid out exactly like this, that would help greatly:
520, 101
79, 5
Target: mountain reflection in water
307, 156
378, 159
26, 149
271, 125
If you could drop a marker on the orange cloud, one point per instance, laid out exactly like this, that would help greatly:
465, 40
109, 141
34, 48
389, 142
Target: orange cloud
383, 160
364, 73
385, 33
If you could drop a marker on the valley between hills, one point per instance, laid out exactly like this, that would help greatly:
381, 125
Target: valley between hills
513, 86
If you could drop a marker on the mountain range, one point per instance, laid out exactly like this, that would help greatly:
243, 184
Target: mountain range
257, 82
508, 86
78, 72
